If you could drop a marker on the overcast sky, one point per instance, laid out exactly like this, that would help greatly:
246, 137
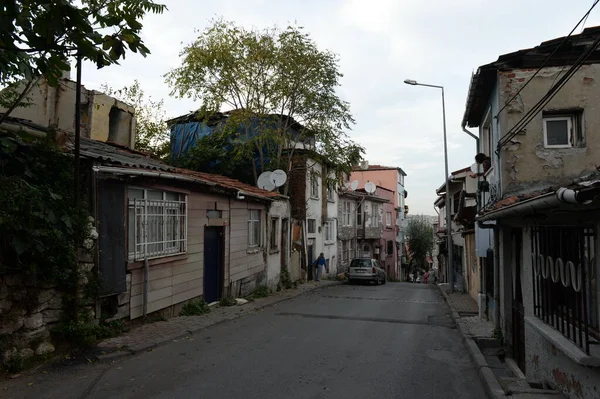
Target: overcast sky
380, 43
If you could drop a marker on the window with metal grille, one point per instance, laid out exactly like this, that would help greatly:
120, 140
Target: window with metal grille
253, 227
346, 208
565, 275
157, 223
359, 215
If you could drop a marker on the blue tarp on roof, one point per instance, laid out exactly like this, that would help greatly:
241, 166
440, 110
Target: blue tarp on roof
185, 136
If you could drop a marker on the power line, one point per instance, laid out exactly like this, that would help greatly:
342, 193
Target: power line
585, 16
520, 125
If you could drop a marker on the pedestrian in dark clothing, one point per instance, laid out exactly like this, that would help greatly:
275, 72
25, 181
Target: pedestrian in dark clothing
319, 264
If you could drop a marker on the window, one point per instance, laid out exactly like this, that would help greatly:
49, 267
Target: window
558, 132
346, 208
564, 272
455, 202
374, 215
312, 226
390, 247
253, 228
345, 251
329, 231
274, 241
388, 218
314, 185
330, 193
359, 215
157, 223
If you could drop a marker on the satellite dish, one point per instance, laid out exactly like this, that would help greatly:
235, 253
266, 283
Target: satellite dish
354, 185
475, 168
278, 177
370, 187
265, 182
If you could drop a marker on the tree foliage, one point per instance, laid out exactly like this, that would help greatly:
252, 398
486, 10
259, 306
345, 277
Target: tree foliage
151, 131
271, 78
419, 236
39, 228
37, 38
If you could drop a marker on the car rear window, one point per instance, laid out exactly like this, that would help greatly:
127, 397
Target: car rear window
361, 263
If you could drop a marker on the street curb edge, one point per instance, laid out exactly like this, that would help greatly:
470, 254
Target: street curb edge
492, 386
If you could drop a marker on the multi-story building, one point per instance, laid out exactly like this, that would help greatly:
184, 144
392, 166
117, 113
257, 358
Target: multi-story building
365, 228
539, 216
391, 178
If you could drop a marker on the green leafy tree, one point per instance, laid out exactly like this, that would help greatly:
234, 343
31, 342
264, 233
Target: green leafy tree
273, 79
419, 236
38, 37
151, 131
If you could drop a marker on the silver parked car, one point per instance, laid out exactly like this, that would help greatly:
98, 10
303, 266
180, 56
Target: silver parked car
365, 269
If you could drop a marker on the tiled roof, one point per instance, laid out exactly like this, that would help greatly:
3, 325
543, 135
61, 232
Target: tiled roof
113, 154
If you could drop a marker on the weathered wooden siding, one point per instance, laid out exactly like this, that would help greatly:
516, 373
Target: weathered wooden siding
173, 282
181, 278
247, 266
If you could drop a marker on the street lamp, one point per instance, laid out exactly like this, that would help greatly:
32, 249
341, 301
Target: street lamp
447, 179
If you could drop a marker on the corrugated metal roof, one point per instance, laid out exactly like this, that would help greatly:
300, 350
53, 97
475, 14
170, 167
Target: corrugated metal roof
114, 154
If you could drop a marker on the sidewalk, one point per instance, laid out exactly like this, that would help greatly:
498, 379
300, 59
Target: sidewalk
149, 336
500, 379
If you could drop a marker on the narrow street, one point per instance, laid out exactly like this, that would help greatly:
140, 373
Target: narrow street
389, 341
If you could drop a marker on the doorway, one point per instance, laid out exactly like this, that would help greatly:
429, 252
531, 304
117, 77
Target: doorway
213, 263
518, 314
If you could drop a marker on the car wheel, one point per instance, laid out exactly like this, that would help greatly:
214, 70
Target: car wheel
383, 281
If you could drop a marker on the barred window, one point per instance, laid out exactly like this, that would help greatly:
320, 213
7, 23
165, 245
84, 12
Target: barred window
157, 223
565, 274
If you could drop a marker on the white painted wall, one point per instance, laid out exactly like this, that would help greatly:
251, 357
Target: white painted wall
314, 210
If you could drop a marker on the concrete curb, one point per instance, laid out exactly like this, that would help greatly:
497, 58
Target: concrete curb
492, 386
129, 351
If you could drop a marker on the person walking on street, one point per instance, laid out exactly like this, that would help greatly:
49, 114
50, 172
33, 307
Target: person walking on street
319, 264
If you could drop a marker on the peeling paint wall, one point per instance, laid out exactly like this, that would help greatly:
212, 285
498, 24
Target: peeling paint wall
56, 106
526, 164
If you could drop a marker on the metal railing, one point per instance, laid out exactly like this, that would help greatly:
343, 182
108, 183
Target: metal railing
160, 228
564, 264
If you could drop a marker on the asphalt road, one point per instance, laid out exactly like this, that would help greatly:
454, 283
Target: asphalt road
390, 341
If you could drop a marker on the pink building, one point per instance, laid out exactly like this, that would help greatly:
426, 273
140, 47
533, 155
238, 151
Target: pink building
390, 182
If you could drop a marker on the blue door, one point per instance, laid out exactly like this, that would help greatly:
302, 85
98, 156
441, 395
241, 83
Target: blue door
213, 263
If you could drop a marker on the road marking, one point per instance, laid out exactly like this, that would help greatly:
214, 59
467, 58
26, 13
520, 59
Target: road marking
429, 322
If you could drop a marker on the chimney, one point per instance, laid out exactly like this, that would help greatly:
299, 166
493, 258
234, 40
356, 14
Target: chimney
364, 165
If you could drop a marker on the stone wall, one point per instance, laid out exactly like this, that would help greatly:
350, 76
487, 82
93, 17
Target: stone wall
29, 312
